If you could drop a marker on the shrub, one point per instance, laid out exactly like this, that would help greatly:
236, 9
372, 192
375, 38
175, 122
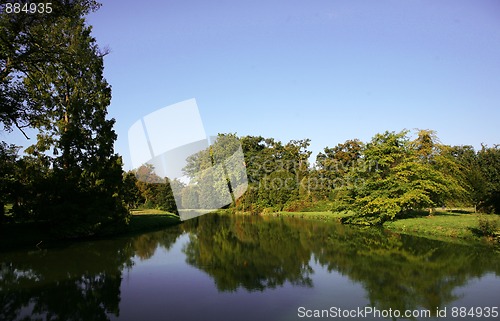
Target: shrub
487, 226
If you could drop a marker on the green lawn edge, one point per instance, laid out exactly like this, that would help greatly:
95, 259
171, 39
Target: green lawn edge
448, 226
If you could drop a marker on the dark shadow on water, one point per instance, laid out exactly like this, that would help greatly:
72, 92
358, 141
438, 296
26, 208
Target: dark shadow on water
80, 281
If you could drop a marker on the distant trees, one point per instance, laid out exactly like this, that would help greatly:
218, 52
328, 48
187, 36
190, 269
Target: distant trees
383, 179
488, 160
8, 156
148, 190
274, 171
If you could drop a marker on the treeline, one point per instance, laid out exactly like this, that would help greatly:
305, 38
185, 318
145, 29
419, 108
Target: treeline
382, 179
392, 175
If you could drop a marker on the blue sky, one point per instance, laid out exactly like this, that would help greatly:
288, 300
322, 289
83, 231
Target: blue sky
323, 69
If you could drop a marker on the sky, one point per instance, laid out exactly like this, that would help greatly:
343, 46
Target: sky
328, 70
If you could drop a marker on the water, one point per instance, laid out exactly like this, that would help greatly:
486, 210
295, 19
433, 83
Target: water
251, 268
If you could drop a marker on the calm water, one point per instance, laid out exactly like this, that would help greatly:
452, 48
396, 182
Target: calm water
248, 268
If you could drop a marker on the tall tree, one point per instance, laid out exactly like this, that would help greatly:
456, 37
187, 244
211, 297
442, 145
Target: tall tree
53, 72
26, 45
489, 163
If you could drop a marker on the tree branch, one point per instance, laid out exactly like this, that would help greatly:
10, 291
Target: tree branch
20, 129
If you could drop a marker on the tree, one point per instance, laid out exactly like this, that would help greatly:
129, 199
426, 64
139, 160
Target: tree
8, 157
217, 173
489, 163
278, 188
340, 157
407, 177
154, 191
131, 193
337, 168
52, 70
466, 158
26, 45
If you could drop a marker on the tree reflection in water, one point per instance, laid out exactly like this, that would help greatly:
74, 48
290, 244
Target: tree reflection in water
399, 272
78, 282
83, 281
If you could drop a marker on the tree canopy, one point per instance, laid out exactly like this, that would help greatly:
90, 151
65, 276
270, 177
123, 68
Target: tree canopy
52, 81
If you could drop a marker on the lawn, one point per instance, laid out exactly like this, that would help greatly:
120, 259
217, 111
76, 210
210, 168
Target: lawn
443, 224
147, 220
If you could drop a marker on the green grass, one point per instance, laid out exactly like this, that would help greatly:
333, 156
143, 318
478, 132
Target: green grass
325, 216
148, 212
445, 224
452, 224
150, 221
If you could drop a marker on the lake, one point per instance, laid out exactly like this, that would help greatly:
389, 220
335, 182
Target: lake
252, 268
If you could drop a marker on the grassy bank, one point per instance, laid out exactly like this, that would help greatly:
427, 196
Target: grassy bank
323, 216
450, 224
33, 235
149, 220
447, 224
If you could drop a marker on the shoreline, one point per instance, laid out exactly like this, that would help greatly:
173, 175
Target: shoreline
447, 226
441, 225
38, 236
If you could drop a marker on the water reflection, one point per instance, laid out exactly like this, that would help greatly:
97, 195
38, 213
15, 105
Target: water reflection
248, 252
78, 282
397, 271
253, 255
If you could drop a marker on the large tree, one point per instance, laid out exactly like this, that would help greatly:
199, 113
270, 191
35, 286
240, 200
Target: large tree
409, 175
29, 42
52, 76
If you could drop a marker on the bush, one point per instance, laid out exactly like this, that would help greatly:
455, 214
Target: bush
296, 206
487, 226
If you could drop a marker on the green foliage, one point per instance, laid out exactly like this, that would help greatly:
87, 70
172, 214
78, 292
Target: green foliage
8, 157
488, 160
409, 175
190, 197
130, 191
155, 192
488, 226
52, 81
33, 42
384, 179
278, 188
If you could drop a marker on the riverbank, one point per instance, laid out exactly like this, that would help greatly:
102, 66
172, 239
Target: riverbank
149, 220
38, 235
442, 224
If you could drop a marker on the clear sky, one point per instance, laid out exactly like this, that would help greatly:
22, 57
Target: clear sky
328, 70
